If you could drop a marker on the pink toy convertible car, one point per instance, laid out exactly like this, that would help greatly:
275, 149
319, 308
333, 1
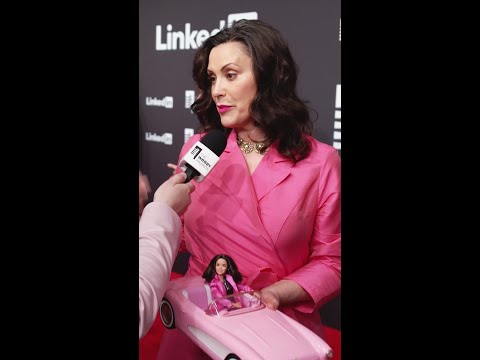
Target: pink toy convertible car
247, 331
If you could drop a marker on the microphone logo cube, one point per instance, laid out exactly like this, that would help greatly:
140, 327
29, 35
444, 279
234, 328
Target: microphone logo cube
201, 158
195, 151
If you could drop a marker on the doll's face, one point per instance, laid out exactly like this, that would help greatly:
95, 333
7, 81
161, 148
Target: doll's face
221, 266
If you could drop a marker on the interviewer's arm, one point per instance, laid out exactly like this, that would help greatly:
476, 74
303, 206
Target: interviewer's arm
159, 238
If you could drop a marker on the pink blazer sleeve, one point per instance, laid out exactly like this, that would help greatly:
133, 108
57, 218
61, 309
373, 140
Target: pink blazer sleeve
320, 277
159, 238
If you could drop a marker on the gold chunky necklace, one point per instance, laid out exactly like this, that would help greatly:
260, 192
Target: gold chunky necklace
247, 147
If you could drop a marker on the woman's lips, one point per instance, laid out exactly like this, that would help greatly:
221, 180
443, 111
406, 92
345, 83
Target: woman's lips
223, 108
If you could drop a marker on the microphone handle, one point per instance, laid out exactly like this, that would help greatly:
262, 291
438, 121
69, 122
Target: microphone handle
191, 173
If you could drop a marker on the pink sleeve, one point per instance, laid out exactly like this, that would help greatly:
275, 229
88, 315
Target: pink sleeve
320, 277
159, 237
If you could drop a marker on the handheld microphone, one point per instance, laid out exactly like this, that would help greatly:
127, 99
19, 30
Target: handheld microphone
203, 156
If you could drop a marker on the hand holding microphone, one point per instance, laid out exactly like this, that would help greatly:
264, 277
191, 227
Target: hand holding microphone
204, 155
197, 162
175, 193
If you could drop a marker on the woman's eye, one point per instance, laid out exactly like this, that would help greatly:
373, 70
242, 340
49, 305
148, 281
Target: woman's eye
231, 76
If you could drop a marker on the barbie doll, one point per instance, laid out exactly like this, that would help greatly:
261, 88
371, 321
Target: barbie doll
224, 278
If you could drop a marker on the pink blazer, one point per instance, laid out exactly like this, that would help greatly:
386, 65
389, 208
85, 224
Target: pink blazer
218, 289
281, 222
159, 237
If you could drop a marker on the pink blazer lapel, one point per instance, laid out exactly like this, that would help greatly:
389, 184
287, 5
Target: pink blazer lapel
218, 288
271, 171
232, 282
233, 178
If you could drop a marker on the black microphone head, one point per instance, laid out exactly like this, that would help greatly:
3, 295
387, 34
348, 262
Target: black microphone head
215, 140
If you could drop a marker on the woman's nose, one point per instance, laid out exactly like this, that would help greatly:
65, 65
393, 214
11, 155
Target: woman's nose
218, 88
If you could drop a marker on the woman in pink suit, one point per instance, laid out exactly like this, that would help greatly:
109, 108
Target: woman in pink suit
273, 199
224, 278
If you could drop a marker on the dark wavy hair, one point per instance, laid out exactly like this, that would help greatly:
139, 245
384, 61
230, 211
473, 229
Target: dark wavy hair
276, 109
232, 269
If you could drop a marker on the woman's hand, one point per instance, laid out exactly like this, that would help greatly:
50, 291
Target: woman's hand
270, 298
283, 292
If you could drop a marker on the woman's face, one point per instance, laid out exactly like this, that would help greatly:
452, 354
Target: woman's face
233, 84
221, 266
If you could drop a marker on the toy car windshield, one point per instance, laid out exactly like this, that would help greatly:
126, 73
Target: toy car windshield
235, 304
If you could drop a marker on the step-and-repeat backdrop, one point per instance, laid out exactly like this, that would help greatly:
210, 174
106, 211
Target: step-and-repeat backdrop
170, 32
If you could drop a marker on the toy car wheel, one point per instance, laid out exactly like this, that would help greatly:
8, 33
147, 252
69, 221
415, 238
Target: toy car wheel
232, 357
166, 314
